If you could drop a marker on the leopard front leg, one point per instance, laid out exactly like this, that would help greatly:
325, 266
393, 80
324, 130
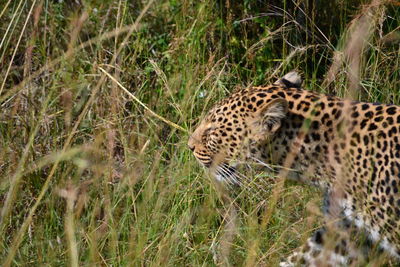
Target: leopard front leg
301, 256
331, 245
324, 249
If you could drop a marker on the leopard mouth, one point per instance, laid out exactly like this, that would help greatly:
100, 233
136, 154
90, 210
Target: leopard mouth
222, 171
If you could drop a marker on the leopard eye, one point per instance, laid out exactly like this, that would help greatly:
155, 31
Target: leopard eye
208, 133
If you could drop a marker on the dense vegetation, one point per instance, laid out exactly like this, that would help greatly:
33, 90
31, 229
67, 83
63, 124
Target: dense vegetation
97, 99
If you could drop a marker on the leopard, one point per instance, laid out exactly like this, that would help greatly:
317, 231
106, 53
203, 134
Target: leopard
348, 149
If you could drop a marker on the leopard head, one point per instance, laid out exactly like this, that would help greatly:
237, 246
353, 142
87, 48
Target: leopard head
236, 127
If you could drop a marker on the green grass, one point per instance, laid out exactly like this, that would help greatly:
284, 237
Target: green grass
88, 176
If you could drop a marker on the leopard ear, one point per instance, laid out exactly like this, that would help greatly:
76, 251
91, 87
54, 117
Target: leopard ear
270, 117
290, 80
240, 88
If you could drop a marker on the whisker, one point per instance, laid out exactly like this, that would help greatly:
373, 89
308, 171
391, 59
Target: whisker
231, 175
263, 163
248, 180
226, 176
255, 191
270, 166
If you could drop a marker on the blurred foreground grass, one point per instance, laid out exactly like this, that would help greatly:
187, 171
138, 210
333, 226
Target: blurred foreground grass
88, 176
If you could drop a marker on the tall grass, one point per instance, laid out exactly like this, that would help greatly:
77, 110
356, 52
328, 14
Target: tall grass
94, 175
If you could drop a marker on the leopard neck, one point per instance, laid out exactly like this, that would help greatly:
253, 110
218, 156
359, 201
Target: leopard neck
303, 142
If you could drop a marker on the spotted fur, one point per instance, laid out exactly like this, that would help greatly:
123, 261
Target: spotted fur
350, 149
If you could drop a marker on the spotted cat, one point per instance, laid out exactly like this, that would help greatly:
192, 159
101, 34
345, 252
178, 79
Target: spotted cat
349, 149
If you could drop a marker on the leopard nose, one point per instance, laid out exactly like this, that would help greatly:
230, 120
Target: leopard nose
191, 143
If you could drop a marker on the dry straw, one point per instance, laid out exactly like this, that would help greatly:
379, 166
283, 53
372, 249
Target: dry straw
14, 183
170, 123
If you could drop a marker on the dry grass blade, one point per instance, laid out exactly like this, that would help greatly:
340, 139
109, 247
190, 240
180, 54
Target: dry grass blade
70, 195
10, 24
19, 235
9, 94
170, 123
5, 8
16, 178
357, 37
16, 46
